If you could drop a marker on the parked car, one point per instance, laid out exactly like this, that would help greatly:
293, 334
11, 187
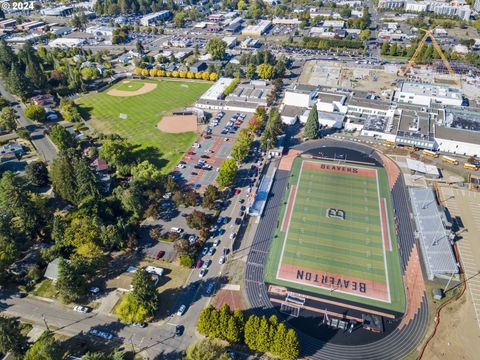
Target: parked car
19, 295
199, 264
211, 251
179, 330
181, 310
206, 264
210, 287
216, 242
205, 251
160, 254
103, 334
202, 273
232, 236
221, 260
238, 221
139, 324
94, 290
81, 309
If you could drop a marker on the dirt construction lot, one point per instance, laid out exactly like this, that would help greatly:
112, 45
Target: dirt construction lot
458, 335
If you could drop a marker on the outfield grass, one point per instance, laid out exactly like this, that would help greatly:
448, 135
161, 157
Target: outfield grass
350, 248
143, 114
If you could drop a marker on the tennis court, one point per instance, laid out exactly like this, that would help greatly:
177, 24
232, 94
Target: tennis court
336, 235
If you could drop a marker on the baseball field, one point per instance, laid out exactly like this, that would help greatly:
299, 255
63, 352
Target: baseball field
336, 235
134, 108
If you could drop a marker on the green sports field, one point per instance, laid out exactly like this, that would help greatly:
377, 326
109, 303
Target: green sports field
350, 252
143, 112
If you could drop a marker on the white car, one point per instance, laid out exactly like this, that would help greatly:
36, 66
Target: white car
232, 236
181, 310
181, 166
221, 260
202, 273
216, 242
81, 309
167, 196
196, 145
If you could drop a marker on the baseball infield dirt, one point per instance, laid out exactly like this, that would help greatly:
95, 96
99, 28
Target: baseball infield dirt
146, 88
175, 124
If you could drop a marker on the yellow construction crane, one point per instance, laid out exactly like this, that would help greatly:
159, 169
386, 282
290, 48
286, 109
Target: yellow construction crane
411, 62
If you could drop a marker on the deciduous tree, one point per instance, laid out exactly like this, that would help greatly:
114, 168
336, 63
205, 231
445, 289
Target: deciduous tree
228, 171
216, 47
62, 138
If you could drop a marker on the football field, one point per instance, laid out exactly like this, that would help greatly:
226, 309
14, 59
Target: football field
336, 235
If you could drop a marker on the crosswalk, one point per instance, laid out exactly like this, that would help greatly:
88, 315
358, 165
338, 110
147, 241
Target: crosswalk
466, 205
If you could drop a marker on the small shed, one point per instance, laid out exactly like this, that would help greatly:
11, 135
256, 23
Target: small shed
438, 294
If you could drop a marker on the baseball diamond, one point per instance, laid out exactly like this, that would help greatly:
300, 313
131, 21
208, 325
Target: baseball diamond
350, 255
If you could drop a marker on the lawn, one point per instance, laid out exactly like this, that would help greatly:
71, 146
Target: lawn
136, 117
45, 289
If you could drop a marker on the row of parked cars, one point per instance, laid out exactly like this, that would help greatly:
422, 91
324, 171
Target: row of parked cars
234, 124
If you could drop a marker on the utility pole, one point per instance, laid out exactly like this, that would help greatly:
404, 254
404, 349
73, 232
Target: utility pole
45, 322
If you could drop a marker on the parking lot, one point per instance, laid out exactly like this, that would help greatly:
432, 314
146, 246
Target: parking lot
199, 167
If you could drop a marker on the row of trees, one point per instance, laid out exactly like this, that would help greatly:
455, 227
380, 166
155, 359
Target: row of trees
205, 75
326, 44
258, 333
273, 129
241, 147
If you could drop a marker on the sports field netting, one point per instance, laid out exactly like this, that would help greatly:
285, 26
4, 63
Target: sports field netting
336, 235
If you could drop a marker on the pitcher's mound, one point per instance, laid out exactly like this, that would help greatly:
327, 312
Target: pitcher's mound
176, 124
146, 88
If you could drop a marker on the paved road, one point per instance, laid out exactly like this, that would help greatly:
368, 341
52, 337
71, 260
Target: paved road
154, 340
41, 142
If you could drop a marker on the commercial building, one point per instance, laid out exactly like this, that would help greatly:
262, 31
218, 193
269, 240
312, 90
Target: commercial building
300, 95
58, 11
151, 19
427, 94
391, 4
100, 30
65, 43
458, 132
259, 29
8, 24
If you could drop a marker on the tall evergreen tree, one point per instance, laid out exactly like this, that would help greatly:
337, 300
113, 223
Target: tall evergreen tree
71, 283
215, 330
291, 348
312, 127
224, 318
144, 291
17, 83
63, 175
233, 333
11, 338
279, 340
87, 183
252, 327
204, 324
33, 68
7, 58
263, 336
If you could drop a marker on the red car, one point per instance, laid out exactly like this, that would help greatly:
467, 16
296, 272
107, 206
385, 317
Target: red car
160, 254
199, 264
237, 191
